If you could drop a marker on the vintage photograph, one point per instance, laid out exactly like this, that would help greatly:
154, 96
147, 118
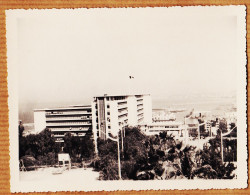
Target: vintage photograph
127, 98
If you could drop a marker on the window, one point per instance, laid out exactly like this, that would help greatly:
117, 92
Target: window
108, 113
66, 162
109, 127
108, 106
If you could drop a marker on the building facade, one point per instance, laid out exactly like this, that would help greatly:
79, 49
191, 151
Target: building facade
171, 127
74, 119
112, 113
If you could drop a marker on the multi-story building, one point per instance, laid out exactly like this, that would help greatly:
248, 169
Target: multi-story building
111, 113
74, 119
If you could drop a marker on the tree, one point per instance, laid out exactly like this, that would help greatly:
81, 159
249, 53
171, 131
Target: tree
79, 147
21, 140
40, 146
20, 129
222, 126
106, 162
211, 156
159, 157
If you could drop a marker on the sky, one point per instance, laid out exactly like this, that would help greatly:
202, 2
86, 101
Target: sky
69, 56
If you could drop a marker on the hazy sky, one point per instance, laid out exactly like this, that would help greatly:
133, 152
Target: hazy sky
73, 55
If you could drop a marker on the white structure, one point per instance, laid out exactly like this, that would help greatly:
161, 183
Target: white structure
64, 160
111, 113
74, 119
161, 116
171, 127
208, 126
39, 120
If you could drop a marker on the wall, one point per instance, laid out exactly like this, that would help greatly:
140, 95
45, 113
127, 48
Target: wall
39, 120
147, 105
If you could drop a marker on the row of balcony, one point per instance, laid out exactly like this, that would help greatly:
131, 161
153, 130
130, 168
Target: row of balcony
68, 113
123, 110
140, 104
122, 103
140, 110
80, 129
122, 116
68, 119
74, 134
69, 123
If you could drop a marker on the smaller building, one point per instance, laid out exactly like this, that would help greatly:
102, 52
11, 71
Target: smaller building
192, 125
162, 116
64, 160
171, 127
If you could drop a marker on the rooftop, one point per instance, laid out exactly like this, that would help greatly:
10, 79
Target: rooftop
72, 107
121, 95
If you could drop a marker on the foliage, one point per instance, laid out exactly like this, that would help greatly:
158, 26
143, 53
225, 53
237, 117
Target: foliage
212, 156
106, 162
222, 126
38, 144
230, 150
44, 149
160, 157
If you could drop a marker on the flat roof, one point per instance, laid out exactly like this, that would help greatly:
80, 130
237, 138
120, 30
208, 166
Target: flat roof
73, 107
163, 123
121, 95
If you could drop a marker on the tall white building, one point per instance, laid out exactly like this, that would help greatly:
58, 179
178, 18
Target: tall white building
111, 113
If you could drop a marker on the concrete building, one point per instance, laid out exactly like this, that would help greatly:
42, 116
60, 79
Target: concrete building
111, 113
74, 119
192, 125
162, 116
171, 127
208, 126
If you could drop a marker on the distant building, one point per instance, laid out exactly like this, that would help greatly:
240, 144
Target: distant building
208, 126
111, 113
171, 127
163, 117
74, 119
192, 126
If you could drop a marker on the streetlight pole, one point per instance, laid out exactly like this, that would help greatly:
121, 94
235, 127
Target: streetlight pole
221, 146
122, 137
118, 154
119, 160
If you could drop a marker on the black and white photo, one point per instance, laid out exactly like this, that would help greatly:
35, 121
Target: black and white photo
127, 98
